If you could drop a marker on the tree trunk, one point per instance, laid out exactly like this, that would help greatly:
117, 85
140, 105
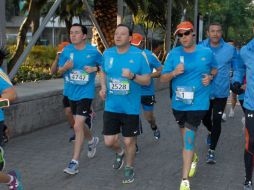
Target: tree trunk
33, 16
105, 12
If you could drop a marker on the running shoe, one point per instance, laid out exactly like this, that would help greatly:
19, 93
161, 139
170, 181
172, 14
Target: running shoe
157, 134
128, 175
185, 185
247, 185
92, 147
2, 160
210, 157
224, 117
118, 163
231, 113
15, 184
72, 168
194, 164
208, 139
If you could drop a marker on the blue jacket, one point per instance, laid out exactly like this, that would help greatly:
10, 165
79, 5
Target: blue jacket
247, 55
226, 57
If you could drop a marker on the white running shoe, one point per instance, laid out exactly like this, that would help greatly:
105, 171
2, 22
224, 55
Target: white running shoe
231, 113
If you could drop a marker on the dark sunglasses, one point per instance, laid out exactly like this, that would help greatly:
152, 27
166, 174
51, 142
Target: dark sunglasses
187, 33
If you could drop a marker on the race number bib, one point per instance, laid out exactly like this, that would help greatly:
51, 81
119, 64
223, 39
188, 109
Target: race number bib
79, 77
120, 86
185, 94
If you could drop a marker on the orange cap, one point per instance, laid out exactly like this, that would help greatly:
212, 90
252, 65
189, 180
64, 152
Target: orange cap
62, 45
136, 39
185, 25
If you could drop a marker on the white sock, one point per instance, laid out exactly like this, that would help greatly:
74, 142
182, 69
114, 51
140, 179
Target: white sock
75, 161
121, 153
91, 141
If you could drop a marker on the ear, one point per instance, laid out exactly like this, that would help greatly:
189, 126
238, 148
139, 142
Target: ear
84, 37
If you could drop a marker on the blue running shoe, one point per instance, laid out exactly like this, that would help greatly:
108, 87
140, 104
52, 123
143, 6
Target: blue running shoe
211, 157
72, 168
92, 147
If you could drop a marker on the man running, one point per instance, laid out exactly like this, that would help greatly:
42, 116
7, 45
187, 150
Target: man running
226, 57
247, 55
148, 95
78, 64
124, 70
191, 69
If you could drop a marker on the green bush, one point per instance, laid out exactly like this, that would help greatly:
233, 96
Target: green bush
37, 64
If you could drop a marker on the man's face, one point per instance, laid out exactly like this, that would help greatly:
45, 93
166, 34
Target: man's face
186, 38
76, 35
214, 33
122, 37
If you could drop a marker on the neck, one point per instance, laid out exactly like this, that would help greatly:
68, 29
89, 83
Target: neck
214, 44
190, 49
123, 49
80, 46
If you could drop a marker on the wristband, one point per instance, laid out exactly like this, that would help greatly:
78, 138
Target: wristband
134, 76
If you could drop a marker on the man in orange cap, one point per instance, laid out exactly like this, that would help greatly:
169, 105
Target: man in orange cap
190, 68
148, 94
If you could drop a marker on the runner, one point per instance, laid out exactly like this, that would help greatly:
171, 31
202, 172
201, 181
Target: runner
191, 69
226, 57
7, 92
78, 62
148, 95
66, 101
247, 55
125, 69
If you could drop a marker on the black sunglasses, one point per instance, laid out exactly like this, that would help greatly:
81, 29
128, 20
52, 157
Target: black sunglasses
187, 33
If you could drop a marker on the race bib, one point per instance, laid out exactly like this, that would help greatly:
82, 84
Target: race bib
185, 94
119, 86
79, 77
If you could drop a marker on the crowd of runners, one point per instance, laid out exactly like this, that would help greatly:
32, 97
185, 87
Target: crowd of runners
200, 78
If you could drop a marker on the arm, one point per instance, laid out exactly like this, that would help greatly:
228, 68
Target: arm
103, 85
9, 94
54, 66
140, 79
157, 73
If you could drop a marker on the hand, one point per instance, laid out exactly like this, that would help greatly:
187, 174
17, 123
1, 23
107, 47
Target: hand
68, 65
206, 79
179, 69
90, 69
102, 93
127, 73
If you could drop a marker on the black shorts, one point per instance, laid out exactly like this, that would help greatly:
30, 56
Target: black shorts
192, 118
66, 102
148, 100
114, 123
249, 135
81, 107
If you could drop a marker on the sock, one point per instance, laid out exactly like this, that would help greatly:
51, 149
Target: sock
91, 141
12, 178
75, 161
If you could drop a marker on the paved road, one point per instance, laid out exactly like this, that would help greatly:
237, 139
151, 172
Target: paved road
42, 155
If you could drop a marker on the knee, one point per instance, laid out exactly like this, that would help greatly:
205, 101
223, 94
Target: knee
129, 141
109, 142
189, 139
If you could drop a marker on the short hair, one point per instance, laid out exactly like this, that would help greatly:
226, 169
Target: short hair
126, 26
214, 24
83, 28
3, 54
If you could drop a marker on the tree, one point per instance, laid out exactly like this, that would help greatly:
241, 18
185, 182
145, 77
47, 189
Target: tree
33, 16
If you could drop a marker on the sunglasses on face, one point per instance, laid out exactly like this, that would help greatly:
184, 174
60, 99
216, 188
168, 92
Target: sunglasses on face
187, 33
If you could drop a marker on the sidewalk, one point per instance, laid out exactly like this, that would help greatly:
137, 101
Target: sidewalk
42, 155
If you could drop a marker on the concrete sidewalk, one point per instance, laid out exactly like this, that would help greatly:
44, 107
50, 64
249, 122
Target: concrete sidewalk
42, 155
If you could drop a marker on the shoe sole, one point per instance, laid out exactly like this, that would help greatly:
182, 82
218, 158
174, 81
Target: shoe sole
93, 155
212, 162
128, 181
70, 173
119, 167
